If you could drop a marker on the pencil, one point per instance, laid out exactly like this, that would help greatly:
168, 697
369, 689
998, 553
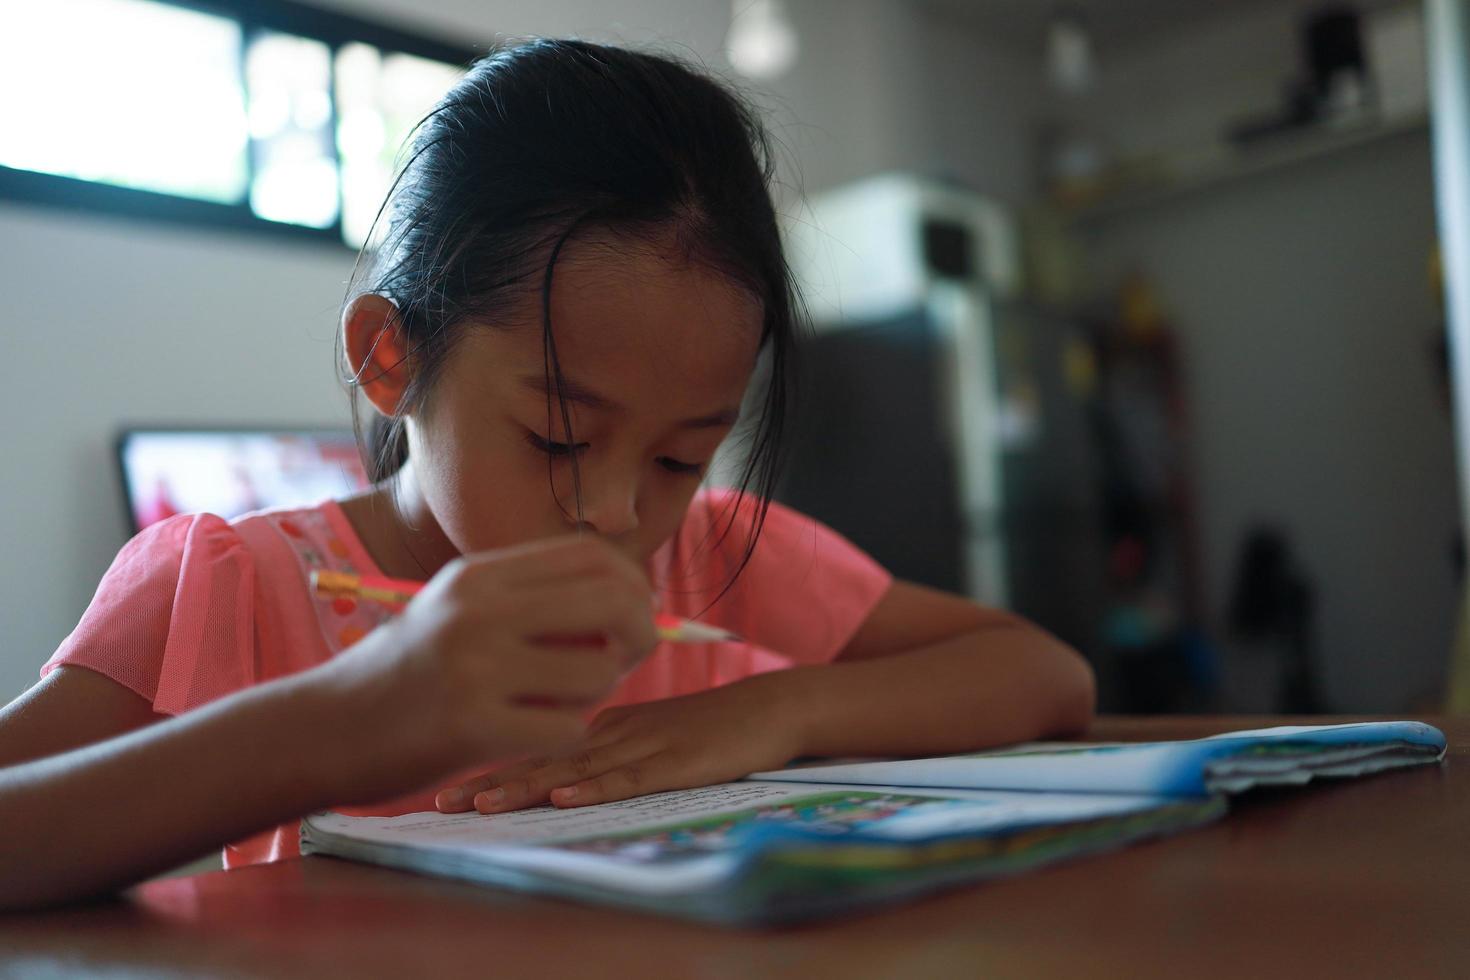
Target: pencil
397, 593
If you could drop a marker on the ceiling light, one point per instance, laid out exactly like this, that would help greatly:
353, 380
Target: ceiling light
762, 42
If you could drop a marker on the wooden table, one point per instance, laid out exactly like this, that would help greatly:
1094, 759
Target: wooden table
1364, 878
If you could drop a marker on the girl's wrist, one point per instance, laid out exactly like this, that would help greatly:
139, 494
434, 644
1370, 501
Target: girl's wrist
791, 699
360, 752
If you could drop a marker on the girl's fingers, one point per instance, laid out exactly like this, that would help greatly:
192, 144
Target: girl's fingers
532, 787
457, 799
588, 607
636, 777
460, 798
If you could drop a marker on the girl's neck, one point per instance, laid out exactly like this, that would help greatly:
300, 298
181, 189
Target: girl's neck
398, 529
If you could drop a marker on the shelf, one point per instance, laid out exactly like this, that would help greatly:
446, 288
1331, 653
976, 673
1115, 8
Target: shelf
1229, 164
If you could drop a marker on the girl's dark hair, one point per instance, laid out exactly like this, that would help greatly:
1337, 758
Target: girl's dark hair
553, 138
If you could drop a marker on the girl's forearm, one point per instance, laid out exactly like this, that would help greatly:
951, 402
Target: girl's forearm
112, 813
990, 687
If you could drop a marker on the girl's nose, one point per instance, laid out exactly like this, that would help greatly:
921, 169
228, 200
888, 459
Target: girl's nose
610, 509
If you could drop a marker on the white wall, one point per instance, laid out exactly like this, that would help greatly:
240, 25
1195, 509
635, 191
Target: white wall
980, 104
1303, 304
885, 86
696, 26
113, 322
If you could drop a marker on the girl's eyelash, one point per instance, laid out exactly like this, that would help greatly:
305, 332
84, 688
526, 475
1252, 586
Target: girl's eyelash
563, 449
678, 466
551, 448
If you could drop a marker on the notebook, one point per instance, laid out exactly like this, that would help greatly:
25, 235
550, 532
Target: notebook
817, 840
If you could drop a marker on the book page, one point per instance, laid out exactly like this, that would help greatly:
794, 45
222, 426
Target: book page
1179, 768
1175, 769
547, 824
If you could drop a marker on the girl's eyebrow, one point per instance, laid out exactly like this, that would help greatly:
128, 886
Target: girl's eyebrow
581, 395
722, 419
569, 390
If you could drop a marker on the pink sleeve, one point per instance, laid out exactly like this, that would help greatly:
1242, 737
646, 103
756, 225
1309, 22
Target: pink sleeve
806, 589
172, 618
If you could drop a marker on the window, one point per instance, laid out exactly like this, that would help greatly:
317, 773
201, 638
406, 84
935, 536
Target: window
156, 104
380, 97
258, 114
293, 168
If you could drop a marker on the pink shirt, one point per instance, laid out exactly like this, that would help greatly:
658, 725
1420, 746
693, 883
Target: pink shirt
195, 608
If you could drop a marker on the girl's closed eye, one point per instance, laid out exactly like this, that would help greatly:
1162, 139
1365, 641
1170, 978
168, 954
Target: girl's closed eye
557, 449
680, 467
553, 448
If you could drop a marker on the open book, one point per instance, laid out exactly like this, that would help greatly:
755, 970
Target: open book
811, 841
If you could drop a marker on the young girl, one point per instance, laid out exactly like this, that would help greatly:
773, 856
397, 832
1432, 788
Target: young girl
578, 271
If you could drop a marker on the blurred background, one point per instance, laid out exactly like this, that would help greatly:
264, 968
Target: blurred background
1126, 312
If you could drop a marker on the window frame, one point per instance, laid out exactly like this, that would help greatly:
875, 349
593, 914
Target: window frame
286, 16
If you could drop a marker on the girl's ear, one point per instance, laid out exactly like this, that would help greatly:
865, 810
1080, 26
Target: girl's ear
377, 356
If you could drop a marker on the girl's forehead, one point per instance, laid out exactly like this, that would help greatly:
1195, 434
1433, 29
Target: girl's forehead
613, 278
654, 307
639, 326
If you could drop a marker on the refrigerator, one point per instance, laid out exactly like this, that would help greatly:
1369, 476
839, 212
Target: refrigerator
942, 421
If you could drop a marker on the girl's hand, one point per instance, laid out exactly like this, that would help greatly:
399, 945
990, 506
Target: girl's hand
492, 659
711, 737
